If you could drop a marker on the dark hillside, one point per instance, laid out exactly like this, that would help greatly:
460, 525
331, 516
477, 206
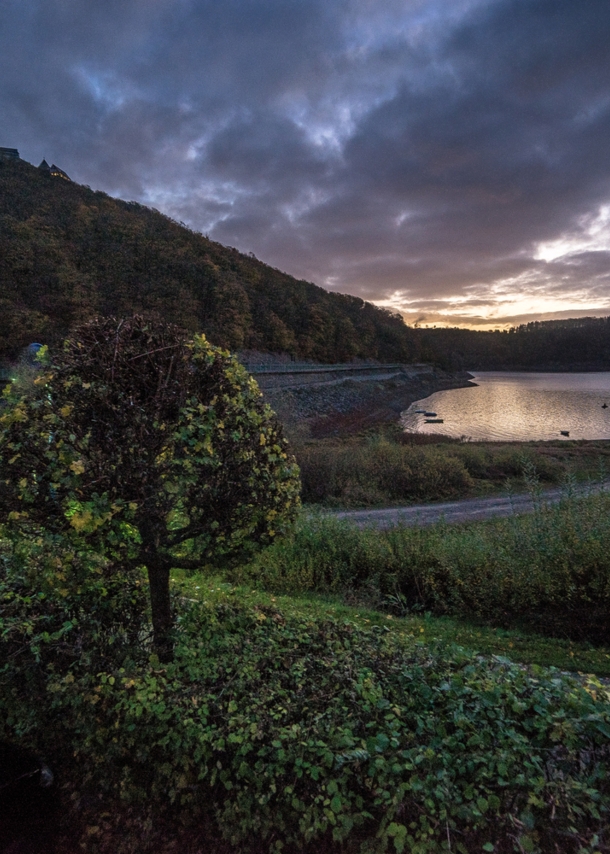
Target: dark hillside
576, 344
67, 252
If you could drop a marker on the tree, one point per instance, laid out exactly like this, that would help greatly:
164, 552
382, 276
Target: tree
153, 449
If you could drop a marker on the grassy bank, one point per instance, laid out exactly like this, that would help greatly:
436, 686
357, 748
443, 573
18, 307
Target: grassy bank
525, 647
548, 571
390, 467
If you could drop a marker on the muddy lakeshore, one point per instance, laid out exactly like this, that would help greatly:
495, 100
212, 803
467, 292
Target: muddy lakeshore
341, 407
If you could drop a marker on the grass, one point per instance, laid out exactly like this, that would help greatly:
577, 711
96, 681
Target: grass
520, 646
389, 467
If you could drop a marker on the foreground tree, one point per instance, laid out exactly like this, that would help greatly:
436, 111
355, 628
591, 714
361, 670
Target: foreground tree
154, 449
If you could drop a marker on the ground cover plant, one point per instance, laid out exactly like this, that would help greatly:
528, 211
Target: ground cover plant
548, 571
390, 467
274, 726
276, 731
518, 644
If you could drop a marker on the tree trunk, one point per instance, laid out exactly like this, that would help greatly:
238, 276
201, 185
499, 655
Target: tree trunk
160, 605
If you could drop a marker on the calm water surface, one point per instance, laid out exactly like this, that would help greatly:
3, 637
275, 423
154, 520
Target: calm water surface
519, 406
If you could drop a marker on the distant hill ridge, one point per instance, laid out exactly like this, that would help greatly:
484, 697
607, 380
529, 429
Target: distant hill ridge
68, 252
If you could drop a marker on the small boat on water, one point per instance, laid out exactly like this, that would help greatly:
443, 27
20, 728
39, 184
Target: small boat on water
430, 414
433, 421
420, 411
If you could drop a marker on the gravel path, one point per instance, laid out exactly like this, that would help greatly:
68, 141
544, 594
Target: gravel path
466, 510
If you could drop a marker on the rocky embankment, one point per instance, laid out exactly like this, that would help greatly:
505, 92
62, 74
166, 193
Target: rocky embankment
343, 402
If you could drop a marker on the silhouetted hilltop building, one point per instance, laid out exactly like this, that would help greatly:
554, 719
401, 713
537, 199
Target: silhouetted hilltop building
9, 154
54, 171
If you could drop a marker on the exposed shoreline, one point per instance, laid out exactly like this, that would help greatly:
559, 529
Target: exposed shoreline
349, 406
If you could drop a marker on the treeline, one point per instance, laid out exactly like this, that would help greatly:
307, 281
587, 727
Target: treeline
67, 253
552, 345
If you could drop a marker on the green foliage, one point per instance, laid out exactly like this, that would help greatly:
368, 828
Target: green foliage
68, 253
155, 450
60, 610
275, 731
387, 468
549, 571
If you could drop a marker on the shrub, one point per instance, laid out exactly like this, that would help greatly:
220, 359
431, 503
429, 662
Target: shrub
61, 609
272, 732
377, 472
154, 449
385, 468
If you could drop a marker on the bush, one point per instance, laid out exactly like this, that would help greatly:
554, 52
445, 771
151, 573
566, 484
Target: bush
377, 472
397, 467
319, 736
61, 610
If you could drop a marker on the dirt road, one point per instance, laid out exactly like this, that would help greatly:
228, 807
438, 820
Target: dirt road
466, 510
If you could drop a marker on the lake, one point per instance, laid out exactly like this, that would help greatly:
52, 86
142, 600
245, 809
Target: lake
511, 406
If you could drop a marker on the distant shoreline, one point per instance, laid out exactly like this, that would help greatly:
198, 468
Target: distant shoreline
340, 409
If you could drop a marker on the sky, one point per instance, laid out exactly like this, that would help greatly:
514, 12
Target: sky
449, 159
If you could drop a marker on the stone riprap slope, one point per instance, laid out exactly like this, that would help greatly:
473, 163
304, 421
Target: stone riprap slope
338, 399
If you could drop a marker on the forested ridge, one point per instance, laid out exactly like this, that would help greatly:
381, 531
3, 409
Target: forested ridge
575, 344
67, 253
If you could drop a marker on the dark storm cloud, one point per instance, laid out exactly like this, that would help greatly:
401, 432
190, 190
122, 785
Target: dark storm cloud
447, 156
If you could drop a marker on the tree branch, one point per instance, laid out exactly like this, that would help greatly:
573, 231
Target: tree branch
185, 563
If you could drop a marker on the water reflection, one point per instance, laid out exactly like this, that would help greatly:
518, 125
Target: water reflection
520, 407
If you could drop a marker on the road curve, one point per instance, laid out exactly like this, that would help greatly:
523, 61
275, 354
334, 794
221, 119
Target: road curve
466, 510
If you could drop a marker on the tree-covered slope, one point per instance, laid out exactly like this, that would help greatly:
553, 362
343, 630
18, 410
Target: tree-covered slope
67, 252
575, 344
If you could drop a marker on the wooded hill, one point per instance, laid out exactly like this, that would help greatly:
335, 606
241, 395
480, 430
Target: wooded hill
576, 344
67, 253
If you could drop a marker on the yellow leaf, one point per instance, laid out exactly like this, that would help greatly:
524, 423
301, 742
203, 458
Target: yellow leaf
78, 467
81, 520
65, 411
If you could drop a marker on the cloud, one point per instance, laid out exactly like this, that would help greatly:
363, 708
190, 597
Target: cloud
448, 153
